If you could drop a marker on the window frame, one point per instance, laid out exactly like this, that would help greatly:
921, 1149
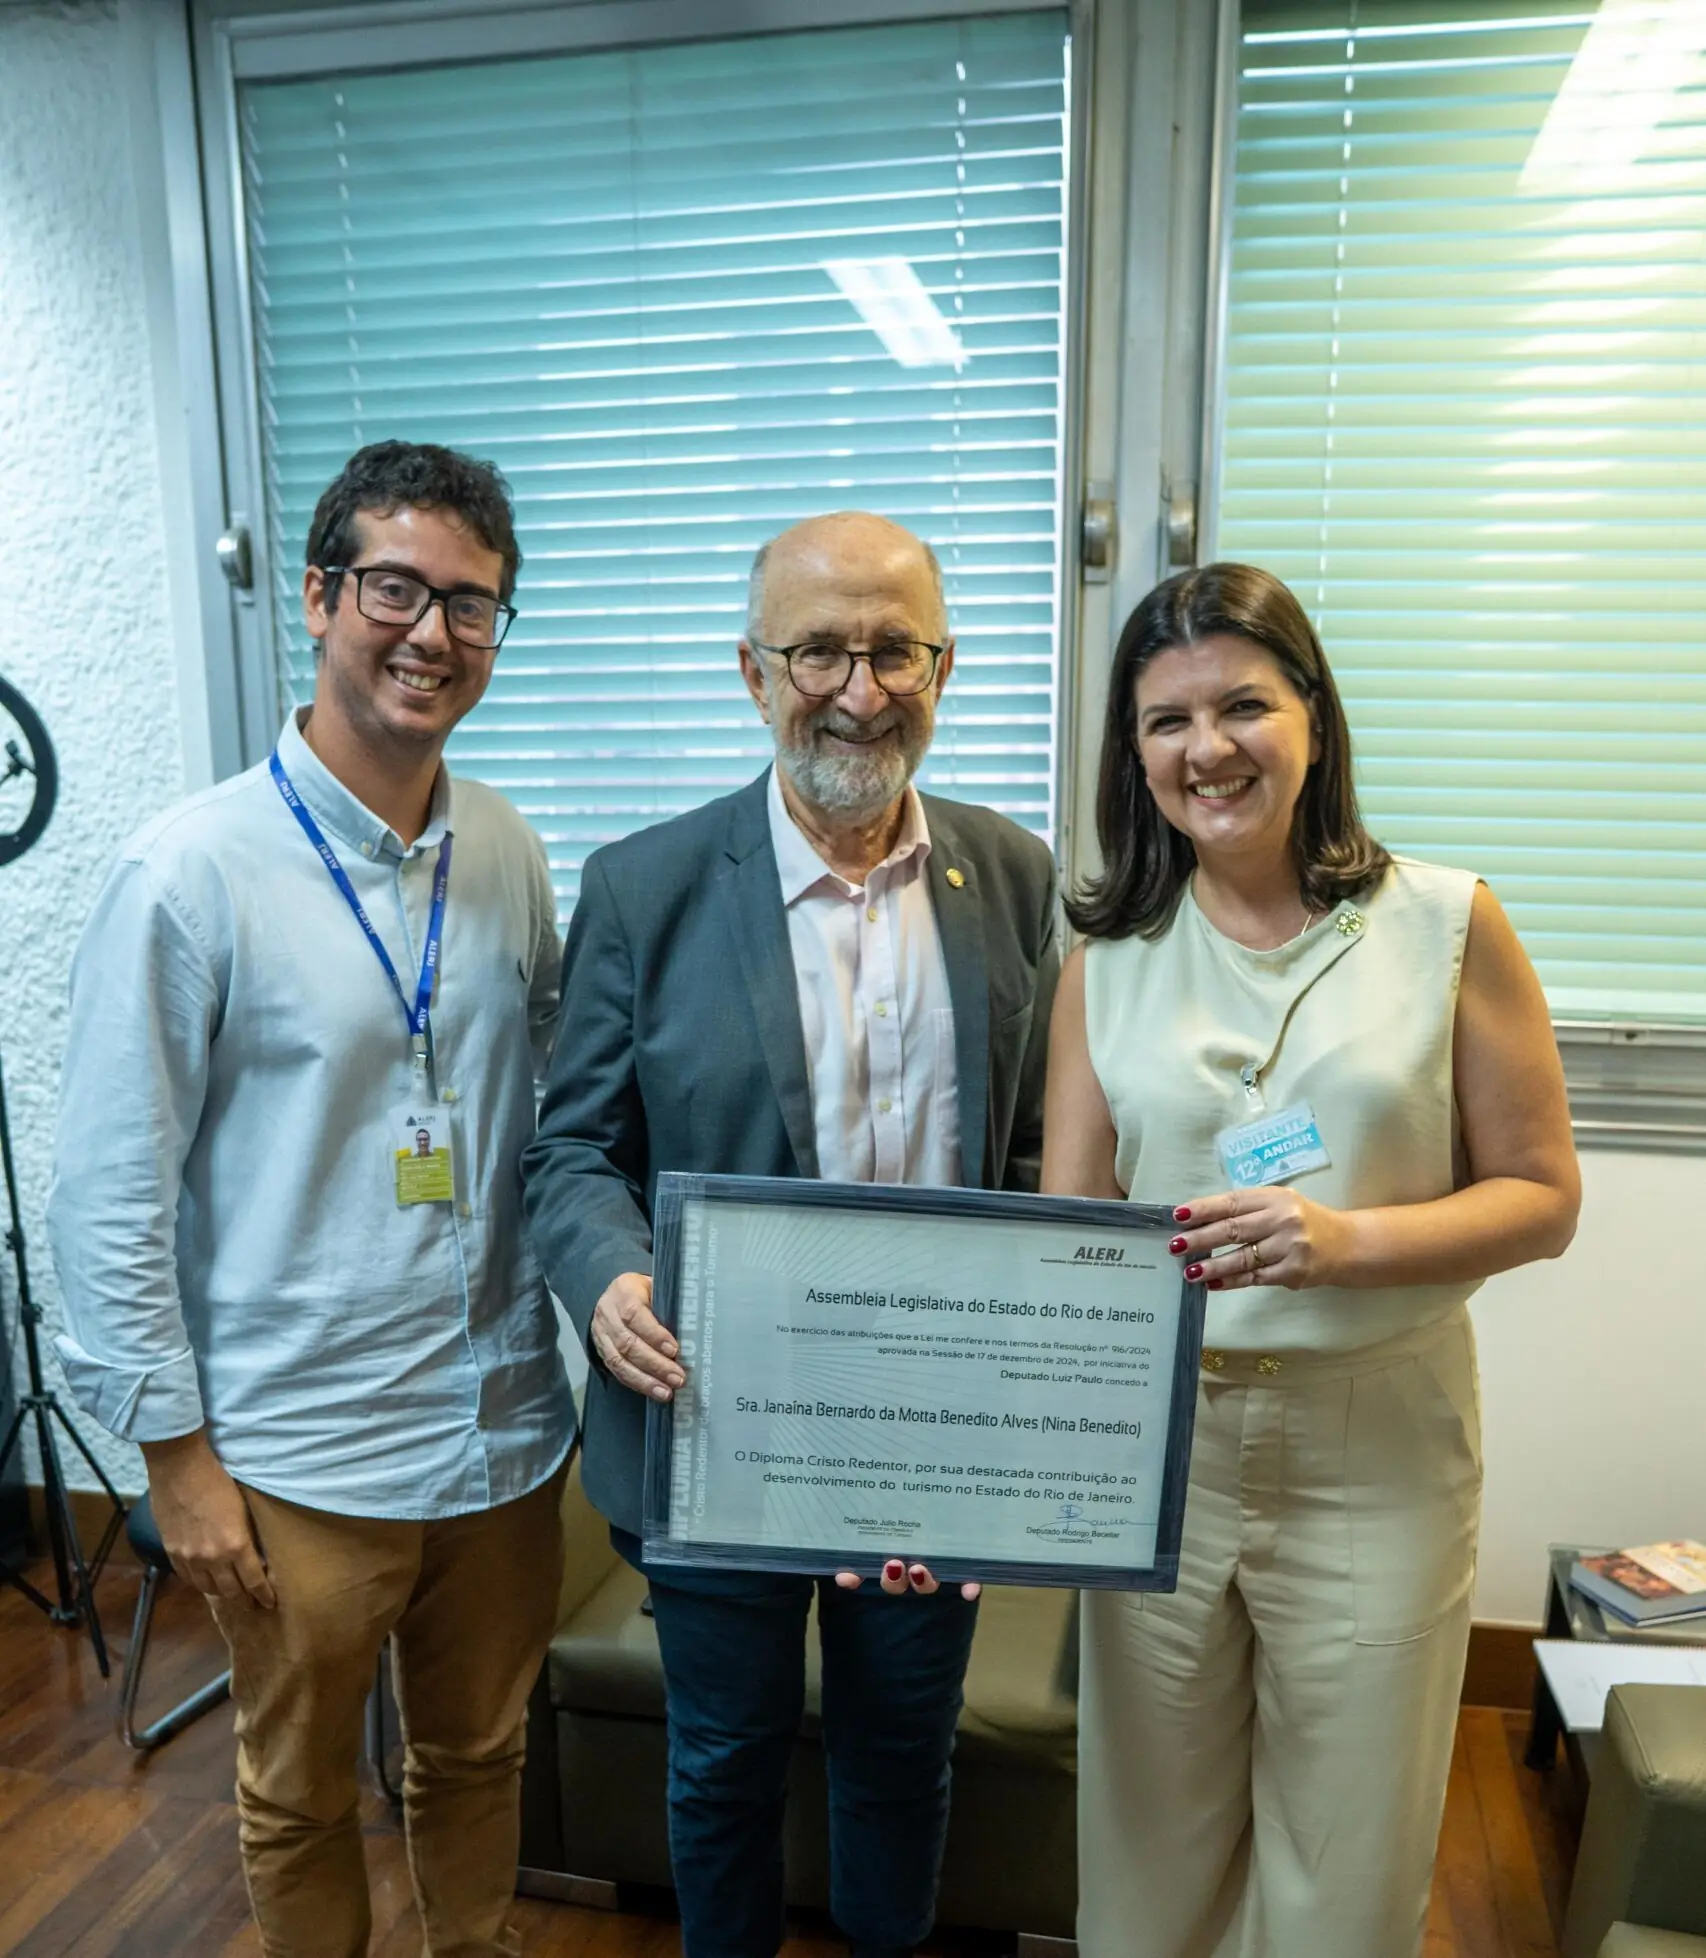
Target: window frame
1633, 1084
1143, 330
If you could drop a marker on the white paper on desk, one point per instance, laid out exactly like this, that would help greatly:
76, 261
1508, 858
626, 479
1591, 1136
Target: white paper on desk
1580, 1675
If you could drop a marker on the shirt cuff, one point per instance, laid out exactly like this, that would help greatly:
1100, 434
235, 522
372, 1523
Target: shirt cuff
134, 1403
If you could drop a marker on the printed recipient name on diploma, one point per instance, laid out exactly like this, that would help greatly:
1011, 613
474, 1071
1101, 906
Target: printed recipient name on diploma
947, 1417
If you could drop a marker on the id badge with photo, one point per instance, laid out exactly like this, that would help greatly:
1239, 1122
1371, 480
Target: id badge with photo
420, 1154
1272, 1150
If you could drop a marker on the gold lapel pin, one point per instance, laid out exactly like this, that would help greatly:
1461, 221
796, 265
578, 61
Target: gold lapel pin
957, 878
1351, 921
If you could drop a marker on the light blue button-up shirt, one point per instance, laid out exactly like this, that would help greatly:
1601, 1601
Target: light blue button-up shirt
224, 1214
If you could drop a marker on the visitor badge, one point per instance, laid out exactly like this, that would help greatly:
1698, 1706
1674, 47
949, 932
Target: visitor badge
1270, 1151
420, 1154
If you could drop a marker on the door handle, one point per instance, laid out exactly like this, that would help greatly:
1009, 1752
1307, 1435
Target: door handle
1098, 533
236, 559
1182, 527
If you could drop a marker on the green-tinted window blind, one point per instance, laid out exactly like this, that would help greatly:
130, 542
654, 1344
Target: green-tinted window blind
1466, 421
639, 282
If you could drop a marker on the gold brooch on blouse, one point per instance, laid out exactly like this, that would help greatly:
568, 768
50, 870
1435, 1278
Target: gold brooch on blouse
1351, 921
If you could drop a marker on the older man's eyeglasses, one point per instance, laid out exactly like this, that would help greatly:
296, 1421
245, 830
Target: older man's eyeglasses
394, 598
820, 669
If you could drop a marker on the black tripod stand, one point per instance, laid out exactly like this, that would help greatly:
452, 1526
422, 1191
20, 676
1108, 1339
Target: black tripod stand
75, 1574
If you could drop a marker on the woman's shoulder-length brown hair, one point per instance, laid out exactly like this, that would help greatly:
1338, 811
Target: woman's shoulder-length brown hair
1146, 861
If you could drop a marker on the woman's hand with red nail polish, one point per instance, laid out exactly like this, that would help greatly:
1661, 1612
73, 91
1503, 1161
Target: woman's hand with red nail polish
1267, 1236
898, 1578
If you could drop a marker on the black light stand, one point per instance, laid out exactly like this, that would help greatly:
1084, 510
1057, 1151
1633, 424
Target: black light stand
75, 1574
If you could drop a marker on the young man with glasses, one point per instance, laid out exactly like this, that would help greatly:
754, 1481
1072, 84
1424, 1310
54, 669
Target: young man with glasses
326, 1334
830, 975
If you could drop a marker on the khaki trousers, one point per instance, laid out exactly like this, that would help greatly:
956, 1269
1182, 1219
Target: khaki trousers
1263, 1754
471, 1603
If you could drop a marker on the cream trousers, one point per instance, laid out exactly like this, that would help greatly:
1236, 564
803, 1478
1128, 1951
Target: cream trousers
1263, 1754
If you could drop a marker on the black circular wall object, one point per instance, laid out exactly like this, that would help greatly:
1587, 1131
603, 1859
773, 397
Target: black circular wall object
35, 759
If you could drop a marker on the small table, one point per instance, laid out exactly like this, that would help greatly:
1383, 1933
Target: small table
1568, 1614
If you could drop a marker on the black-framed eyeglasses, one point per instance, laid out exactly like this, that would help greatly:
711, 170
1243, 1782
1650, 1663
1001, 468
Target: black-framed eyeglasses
820, 669
394, 598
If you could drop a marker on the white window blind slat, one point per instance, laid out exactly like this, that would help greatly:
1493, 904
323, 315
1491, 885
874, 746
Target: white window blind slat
608, 273
1465, 421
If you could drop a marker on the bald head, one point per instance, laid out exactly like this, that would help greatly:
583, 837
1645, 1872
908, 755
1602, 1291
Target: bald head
855, 551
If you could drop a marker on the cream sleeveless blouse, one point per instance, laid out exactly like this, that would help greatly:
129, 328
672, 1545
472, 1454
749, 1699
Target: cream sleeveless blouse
1355, 1018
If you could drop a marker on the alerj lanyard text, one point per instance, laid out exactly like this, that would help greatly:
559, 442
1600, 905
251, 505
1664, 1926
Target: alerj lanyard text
419, 1016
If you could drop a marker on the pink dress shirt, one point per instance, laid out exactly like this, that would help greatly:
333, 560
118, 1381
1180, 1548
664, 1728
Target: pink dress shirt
875, 1008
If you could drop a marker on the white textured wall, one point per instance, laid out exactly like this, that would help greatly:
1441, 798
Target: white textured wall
87, 636
1592, 1366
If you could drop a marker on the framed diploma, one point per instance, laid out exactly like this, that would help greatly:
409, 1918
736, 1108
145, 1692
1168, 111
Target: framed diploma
1001, 1387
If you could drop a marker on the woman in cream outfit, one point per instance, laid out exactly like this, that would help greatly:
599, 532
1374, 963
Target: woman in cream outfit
1264, 1752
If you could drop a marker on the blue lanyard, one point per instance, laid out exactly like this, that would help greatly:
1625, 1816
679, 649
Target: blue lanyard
419, 1017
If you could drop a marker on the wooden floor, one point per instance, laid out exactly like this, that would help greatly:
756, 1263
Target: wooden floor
102, 1852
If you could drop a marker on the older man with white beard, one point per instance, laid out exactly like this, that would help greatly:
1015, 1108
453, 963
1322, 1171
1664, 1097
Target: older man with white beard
828, 975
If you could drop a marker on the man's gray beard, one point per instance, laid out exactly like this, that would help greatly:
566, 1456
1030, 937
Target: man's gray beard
855, 786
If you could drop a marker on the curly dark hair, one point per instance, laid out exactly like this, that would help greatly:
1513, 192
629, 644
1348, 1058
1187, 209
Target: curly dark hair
1146, 861
386, 476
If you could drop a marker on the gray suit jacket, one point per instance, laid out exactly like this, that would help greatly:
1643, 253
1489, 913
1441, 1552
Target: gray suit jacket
679, 1047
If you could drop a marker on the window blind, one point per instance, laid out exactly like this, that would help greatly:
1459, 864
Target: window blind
1465, 421
683, 296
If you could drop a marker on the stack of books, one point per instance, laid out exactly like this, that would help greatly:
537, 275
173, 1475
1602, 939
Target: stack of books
1659, 1583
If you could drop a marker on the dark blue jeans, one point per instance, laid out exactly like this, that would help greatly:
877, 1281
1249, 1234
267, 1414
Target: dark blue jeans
734, 1655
